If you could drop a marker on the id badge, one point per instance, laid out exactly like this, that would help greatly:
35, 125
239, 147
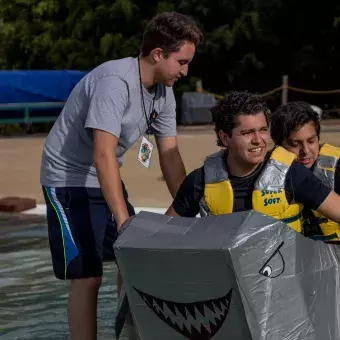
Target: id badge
145, 152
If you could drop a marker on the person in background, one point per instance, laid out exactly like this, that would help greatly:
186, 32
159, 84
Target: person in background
296, 127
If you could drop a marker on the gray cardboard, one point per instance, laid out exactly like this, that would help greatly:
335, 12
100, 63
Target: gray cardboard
236, 276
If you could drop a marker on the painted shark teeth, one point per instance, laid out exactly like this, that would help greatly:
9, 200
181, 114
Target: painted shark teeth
199, 320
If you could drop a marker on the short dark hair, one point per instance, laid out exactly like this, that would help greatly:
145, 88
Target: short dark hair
289, 117
169, 31
232, 105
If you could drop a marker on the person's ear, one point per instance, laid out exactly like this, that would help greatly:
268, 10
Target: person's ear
157, 54
224, 138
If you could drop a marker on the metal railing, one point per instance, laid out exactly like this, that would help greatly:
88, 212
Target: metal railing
26, 108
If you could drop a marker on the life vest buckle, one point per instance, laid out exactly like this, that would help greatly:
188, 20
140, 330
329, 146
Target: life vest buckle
322, 220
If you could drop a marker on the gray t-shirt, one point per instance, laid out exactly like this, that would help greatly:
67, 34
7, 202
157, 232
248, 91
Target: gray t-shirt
107, 98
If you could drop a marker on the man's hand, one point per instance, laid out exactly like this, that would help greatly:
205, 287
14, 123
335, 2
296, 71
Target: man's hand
171, 212
171, 163
330, 207
126, 222
107, 167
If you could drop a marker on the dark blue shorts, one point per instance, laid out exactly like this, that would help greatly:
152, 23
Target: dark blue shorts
81, 230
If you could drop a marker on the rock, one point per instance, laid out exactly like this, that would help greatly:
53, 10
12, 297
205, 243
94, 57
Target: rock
16, 204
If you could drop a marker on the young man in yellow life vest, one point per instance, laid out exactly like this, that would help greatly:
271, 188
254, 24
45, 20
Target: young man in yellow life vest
296, 127
243, 176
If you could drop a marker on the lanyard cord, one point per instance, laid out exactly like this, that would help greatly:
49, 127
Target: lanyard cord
142, 96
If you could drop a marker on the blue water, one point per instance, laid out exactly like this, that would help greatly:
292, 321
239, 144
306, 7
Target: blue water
33, 303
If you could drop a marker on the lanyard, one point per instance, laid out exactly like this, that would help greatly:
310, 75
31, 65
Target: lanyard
148, 122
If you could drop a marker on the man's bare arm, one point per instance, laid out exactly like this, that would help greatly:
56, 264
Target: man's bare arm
108, 174
330, 207
171, 163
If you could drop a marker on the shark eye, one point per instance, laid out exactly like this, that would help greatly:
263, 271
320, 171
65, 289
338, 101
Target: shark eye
267, 271
275, 265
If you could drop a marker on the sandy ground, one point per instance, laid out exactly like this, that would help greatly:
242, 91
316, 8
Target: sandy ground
21, 157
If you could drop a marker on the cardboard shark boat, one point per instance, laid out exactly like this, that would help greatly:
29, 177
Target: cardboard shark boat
237, 276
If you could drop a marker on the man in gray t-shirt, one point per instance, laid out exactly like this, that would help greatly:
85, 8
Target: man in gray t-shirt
106, 113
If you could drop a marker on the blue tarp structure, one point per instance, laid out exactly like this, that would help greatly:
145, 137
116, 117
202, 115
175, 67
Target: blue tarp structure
28, 97
37, 86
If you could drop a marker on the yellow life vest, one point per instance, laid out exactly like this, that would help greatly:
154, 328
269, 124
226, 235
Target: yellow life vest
268, 197
324, 169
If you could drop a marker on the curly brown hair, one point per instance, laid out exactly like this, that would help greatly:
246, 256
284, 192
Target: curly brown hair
233, 104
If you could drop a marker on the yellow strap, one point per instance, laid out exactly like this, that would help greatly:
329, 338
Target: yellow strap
283, 156
330, 150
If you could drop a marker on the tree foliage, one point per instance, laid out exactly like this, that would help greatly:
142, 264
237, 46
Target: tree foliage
248, 44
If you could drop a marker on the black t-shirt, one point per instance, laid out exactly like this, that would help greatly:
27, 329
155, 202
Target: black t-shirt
311, 225
301, 186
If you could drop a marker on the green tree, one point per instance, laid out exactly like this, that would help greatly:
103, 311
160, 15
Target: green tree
248, 44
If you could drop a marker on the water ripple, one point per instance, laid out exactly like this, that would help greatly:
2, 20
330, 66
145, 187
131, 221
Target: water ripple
33, 303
